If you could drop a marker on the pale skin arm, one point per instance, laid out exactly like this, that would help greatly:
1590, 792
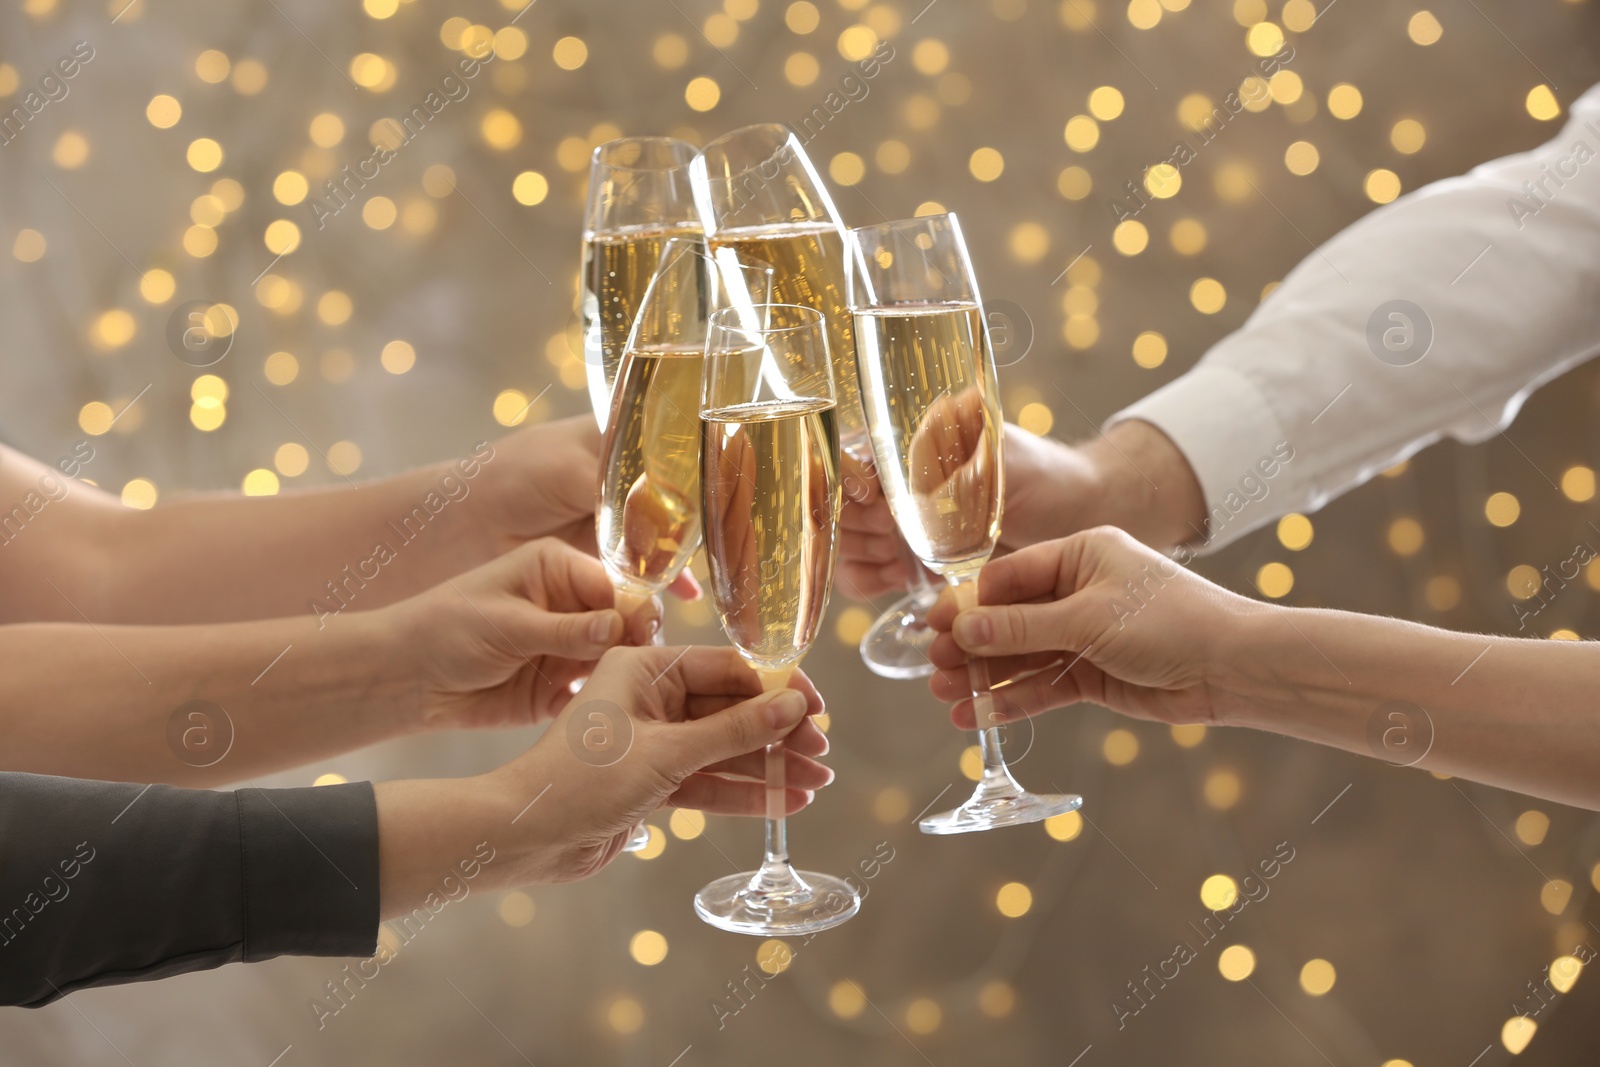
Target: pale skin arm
78, 554
1132, 476
1509, 712
699, 725
501, 645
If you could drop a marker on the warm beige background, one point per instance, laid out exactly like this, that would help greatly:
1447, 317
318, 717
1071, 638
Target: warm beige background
1432, 919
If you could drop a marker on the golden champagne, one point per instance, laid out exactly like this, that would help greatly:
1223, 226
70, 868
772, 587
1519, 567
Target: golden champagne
933, 410
771, 490
810, 269
649, 515
617, 268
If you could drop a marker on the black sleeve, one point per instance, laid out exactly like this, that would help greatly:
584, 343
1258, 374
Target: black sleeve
102, 883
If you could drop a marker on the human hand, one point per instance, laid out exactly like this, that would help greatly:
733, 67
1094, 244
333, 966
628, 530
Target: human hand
683, 728
1051, 490
544, 485
1095, 616
504, 644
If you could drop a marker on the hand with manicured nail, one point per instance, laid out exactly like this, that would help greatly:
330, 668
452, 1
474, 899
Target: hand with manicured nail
684, 728
1138, 631
506, 644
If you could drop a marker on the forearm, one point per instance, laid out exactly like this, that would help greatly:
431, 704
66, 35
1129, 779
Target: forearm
225, 558
197, 705
435, 836
1509, 712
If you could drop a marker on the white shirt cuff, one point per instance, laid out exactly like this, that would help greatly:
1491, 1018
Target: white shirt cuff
1228, 433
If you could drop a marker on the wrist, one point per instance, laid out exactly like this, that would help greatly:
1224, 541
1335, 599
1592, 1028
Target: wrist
381, 653
434, 836
1246, 660
1142, 483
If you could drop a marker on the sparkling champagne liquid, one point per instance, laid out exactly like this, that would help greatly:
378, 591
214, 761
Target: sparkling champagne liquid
771, 490
649, 516
933, 410
617, 268
810, 269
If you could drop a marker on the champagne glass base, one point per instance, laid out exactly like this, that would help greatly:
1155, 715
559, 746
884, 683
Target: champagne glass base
794, 902
897, 645
640, 838
991, 813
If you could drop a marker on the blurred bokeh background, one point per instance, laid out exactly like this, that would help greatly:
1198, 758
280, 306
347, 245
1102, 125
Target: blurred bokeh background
177, 173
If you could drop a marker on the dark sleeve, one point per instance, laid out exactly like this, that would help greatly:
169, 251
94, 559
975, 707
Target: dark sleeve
102, 883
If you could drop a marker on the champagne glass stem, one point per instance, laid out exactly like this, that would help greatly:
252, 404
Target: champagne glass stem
775, 864
996, 781
919, 583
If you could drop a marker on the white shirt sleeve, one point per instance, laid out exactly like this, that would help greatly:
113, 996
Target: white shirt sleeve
1436, 314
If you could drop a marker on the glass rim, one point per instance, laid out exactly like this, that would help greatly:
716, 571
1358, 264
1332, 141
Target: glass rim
813, 317
780, 127
894, 224
649, 138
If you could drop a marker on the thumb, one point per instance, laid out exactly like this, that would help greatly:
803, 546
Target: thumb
580, 635
745, 727
1017, 629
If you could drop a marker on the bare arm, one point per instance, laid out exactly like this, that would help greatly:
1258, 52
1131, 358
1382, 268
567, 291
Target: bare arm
70, 552
501, 645
1511, 712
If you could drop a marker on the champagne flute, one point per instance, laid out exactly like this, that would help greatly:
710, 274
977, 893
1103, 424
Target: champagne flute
933, 410
647, 522
759, 195
639, 198
770, 478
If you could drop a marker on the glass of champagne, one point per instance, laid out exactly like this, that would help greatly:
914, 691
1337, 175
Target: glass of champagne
770, 479
639, 198
933, 412
647, 524
759, 196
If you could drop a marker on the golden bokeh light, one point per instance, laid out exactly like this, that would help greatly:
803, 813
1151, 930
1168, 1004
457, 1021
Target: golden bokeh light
1222, 789
1013, 900
997, 999
774, 956
1532, 826
570, 53
1188, 734
1236, 963
1502, 509
1064, 827
1275, 580
291, 459
1317, 977
686, 824
1081, 133
1120, 747
923, 1016
1294, 531
1130, 237
1381, 185
1423, 28
1408, 136
260, 482
163, 111
1517, 1032
1405, 536
1344, 101
1218, 892
986, 164
647, 947
702, 93
845, 998
516, 909
1149, 349
29, 246
1208, 296
140, 494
